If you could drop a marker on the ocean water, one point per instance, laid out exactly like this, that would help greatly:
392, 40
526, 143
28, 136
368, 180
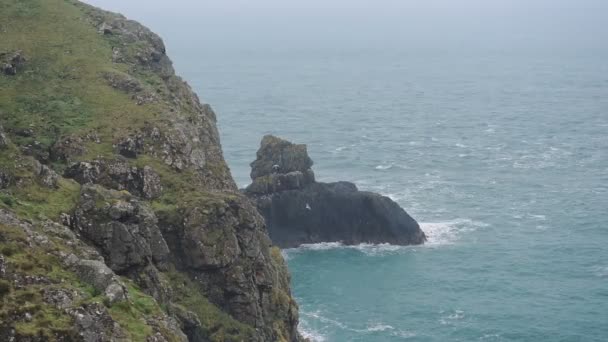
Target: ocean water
502, 159
495, 138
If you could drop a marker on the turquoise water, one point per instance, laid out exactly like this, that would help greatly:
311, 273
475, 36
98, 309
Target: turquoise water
488, 124
503, 160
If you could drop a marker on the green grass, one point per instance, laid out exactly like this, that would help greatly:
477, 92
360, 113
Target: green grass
60, 90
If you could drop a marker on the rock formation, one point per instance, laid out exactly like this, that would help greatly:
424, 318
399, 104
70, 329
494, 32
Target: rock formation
119, 219
299, 210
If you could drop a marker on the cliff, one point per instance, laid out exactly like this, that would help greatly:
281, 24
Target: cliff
298, 210
119, 219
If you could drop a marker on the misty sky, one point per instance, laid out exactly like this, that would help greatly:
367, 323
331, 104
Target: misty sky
575, 24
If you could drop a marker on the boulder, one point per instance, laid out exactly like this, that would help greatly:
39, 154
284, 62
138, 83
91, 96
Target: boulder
298, 210
46, 175
101, 278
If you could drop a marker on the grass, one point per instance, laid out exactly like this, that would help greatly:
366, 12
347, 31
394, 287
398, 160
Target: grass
60, 90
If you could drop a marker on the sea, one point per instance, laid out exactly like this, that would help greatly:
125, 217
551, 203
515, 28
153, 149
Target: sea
492, 134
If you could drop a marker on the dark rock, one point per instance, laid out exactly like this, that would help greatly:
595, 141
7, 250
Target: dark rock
117, 174
280, 156
68, 148
299, 212
6, 179
125, 230
11, 62
130, 147
223, 244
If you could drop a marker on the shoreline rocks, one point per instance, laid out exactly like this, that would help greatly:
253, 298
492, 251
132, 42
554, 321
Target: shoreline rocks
298, 210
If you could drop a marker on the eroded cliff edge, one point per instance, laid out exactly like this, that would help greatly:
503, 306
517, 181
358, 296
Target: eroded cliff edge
119, 219
299, 210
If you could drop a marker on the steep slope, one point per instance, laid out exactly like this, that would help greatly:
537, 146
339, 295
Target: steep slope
115, 196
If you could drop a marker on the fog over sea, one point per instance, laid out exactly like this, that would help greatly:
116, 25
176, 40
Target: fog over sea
486, 120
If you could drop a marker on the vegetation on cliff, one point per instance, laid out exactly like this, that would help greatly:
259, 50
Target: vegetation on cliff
119, 219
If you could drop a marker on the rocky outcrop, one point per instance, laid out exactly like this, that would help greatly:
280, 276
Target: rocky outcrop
11, 62
119, 175
299, 210
131, 226
123, 228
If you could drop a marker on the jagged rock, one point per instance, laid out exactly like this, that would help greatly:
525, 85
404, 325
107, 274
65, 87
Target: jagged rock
280, 166
125, 230
299, 212
94, 324
46, 175
130, 85
223, 244
11, 62
67, 148
280, 156
117, 174
60, 298
104, 28
130, 147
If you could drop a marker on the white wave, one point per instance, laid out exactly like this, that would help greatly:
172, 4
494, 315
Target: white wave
321, 246
365, 248
447, 232
317, 315
489, 337
438, 233
459, 145
372, 328
379, 327
313, 336
601, 271
385, 166
538, 217
285, 254
451, 318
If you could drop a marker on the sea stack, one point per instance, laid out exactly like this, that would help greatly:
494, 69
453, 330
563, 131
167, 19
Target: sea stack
298, 210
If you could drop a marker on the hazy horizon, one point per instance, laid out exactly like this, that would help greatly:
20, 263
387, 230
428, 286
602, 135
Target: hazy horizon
387, 24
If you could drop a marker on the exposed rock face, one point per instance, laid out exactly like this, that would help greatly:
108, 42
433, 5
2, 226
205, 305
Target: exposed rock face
123, 228
125, 202
117, 174
299, 210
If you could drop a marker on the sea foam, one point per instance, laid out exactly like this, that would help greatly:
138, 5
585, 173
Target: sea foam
438, 234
